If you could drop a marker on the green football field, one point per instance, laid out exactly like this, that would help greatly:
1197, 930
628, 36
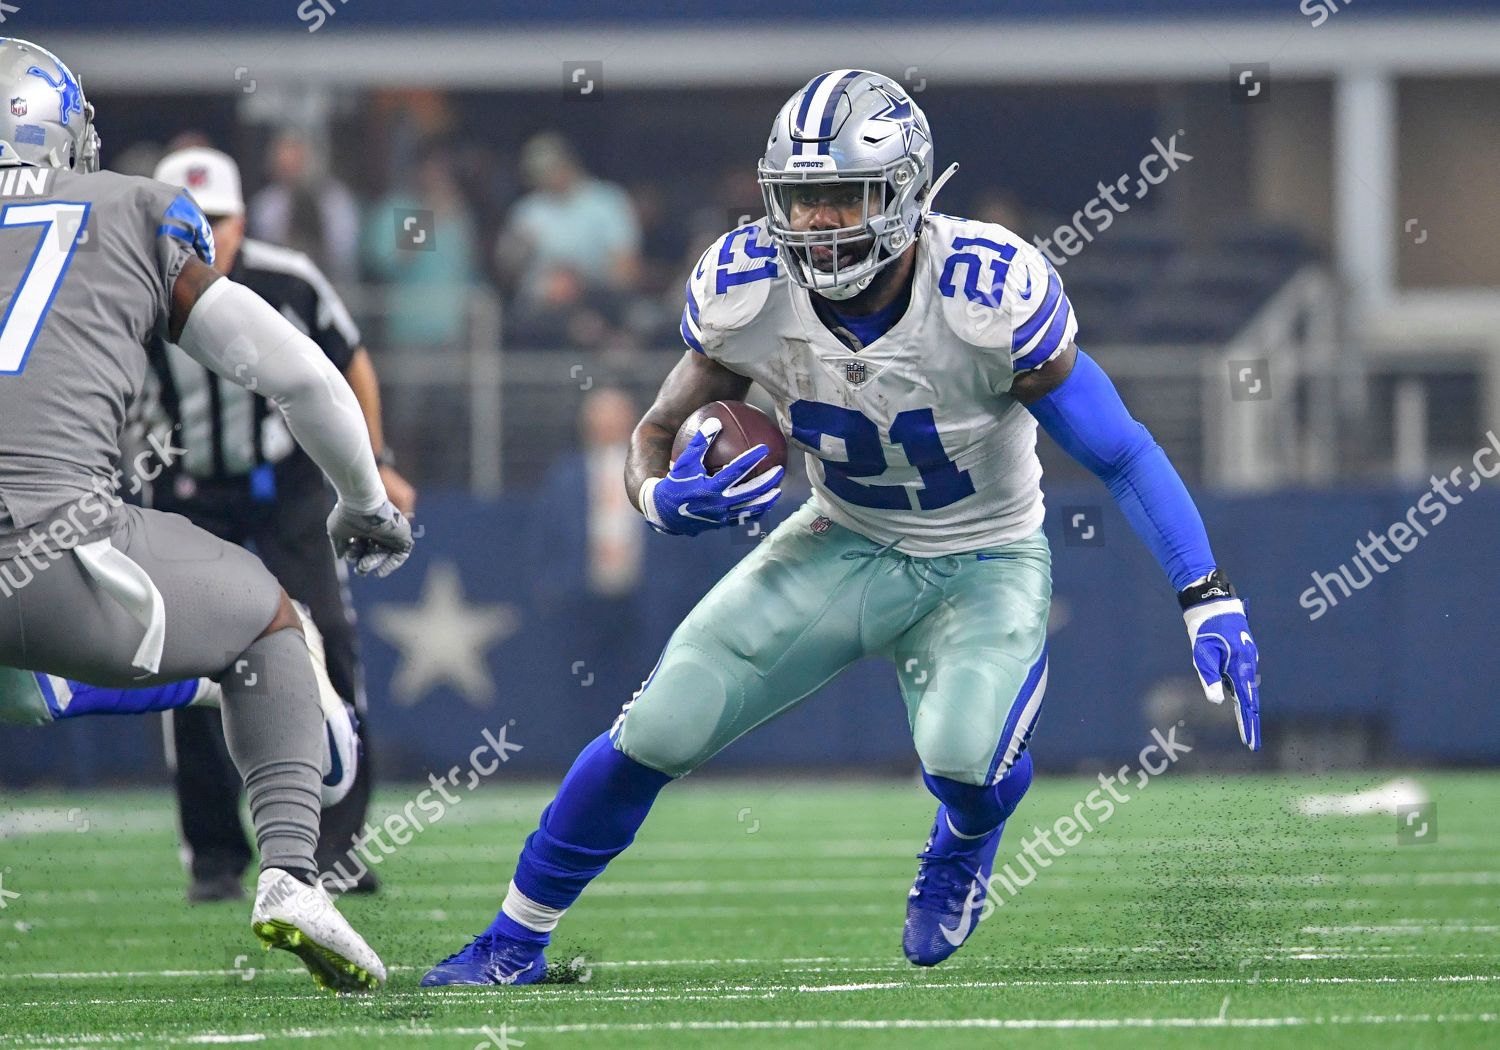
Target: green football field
1204, 912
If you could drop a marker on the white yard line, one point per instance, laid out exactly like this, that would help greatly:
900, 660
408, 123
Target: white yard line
647, 888
668, 994
1408, 928
845, 1024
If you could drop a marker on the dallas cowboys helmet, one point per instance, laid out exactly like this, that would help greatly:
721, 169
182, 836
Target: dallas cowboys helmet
44, 119
856, 128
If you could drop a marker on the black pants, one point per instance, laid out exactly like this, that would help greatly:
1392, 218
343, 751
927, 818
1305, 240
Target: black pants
290, 535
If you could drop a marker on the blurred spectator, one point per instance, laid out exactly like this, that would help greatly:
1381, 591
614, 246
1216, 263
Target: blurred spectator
306, 208
587, 511
615, 532
569, 251
1000, 206
420, 240
594, 543
664, 236
192, 138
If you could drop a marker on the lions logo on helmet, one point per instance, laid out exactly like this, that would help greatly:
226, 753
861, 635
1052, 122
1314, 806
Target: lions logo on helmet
848, 129
49, 123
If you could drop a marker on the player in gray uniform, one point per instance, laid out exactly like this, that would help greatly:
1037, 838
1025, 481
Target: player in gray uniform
93, 265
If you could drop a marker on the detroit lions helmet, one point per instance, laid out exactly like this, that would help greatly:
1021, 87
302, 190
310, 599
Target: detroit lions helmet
44, 119
860, 129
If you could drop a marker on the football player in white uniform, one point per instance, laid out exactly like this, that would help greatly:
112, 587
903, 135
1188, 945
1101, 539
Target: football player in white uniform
910, 356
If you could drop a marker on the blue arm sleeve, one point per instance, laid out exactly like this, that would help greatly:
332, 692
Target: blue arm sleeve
1087, 418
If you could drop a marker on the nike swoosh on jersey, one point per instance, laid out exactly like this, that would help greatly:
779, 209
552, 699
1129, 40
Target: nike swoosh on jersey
960, 933
1026, 292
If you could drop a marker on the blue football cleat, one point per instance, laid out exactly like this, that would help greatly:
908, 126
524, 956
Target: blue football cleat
948, 897
490, 959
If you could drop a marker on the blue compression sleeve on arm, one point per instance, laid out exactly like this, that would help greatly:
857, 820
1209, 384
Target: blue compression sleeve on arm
1087, 418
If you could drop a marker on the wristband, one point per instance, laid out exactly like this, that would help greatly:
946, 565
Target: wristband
646, 503
1213, 587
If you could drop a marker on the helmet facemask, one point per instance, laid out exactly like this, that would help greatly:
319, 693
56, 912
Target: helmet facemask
83, 156
842, 262
88, 158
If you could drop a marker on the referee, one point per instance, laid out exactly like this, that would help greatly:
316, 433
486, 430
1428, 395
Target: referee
245, 480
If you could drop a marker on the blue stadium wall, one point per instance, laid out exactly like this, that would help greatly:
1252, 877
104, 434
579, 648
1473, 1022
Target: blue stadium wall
1400, 672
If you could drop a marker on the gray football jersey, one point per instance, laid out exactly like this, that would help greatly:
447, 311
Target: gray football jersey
87, 264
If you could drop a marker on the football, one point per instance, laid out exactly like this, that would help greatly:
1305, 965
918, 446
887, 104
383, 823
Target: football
745, 426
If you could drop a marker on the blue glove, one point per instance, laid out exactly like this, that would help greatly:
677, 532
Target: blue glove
1223, 651
689, 500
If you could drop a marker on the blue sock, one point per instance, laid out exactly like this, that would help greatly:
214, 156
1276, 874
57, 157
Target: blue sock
601, 804
97, 700
976, 810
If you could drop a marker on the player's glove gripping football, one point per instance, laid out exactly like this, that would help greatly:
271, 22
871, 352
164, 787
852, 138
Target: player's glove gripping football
376, 542
1224, 653
689, 500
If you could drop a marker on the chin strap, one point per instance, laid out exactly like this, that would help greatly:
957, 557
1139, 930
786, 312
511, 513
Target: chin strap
840, 292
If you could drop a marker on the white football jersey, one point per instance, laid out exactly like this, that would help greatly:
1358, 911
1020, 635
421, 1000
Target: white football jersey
914, 440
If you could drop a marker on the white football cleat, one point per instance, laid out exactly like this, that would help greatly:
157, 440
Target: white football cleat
302, 919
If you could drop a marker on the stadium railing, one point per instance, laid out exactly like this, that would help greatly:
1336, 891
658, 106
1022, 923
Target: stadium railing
1291, 400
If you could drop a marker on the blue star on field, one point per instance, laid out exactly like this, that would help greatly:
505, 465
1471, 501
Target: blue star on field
899, 111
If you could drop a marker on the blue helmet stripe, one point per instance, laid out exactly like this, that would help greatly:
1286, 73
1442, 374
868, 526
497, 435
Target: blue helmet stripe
807, 97
825, 127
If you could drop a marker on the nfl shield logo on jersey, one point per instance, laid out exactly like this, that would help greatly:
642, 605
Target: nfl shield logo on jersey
819, 525
18, 106
854, 371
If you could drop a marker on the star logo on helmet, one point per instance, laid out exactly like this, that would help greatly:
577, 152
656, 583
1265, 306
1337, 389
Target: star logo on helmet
900, 112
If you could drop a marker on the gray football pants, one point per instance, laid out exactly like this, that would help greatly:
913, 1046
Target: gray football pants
160, 600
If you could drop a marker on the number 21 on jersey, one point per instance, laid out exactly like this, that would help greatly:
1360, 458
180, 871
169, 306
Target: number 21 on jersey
914, 430
62, 231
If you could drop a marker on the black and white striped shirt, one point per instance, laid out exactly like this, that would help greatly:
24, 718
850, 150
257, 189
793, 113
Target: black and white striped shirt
228, 431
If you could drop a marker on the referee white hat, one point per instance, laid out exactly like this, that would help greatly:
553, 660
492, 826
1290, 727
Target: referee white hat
212, 177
